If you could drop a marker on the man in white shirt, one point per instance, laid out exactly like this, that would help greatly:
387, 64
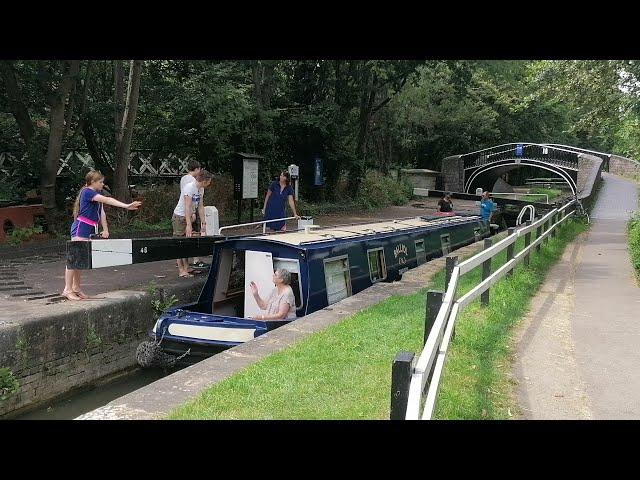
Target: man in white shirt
190, 197
193, 169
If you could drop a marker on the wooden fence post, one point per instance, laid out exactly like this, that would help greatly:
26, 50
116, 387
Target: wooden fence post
452, 261
554, 219
400, 380
434, 302
486, 271
527, 242
538, 233
510, 248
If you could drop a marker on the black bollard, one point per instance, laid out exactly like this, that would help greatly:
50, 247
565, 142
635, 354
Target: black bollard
400, 380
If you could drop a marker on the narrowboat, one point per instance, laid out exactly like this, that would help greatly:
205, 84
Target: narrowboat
326, 265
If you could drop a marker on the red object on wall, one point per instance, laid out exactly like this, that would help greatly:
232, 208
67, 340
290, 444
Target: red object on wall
19, 216
444, 214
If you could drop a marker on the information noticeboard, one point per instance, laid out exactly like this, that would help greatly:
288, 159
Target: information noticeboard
250, 178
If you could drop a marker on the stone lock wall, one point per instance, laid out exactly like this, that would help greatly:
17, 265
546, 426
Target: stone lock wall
77, 345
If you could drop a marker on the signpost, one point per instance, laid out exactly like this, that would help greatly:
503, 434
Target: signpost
245, 179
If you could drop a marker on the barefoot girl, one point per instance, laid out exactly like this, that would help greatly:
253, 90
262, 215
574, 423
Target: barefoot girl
87, 212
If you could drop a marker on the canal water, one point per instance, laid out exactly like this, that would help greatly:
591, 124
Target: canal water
85, 400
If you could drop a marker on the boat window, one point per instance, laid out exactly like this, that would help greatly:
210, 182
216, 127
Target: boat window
445, 241
338, 279
236, 276
296, 282
421, 255
377, 266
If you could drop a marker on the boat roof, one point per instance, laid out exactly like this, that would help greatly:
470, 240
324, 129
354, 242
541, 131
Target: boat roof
317, 234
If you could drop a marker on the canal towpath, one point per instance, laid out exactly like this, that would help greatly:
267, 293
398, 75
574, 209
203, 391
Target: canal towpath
577, 349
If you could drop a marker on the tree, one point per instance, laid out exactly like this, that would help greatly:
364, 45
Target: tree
57, 89
125, 131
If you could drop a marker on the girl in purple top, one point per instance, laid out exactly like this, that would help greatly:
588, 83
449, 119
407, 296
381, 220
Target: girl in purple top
87, 212
275, 201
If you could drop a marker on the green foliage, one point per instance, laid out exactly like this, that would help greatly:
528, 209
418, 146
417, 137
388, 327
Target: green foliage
93, 339
634, 241
152, 288
160, 302
19, 235
163, 303
8, 384
376, 191
357, 115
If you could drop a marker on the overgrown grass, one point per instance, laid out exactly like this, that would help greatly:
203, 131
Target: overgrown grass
344, 372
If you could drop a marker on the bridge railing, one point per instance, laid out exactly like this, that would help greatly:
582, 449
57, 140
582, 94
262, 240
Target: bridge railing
558, 156
604, 156
416, 382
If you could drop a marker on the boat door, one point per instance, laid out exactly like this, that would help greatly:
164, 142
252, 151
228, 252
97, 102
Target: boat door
258, 268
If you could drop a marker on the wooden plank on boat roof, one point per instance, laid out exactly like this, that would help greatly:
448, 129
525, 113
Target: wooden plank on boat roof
335, 233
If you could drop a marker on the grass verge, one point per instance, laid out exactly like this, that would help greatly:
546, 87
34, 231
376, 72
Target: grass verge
344, 372
634, 242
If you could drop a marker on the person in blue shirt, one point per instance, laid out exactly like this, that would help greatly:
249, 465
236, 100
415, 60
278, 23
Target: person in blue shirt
487, 206
275, 201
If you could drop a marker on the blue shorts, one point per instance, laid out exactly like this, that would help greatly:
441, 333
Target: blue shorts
81, 229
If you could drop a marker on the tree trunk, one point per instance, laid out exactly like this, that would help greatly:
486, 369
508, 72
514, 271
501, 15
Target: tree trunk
123, 145
118, 97
16, 105
56, 137
95, 151
358, 168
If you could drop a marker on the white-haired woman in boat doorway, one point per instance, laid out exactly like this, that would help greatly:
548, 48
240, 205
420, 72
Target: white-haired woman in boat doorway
281, 303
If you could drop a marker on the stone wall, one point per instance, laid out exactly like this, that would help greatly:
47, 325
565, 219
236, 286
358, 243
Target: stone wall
589, 176
623, 166
453, 172
420, 178
72, 346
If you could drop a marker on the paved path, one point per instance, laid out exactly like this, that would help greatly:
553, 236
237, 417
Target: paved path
579, 348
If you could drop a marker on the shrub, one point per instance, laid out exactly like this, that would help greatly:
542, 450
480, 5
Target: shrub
19, 235
376, 191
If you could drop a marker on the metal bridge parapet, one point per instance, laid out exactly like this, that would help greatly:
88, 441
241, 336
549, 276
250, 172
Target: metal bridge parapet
562, 157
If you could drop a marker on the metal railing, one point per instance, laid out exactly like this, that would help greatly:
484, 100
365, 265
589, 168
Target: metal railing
516, 195
562, 157
412, 378
263, 222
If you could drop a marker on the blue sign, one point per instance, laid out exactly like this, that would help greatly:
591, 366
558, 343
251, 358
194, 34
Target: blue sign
519, 150
318, 179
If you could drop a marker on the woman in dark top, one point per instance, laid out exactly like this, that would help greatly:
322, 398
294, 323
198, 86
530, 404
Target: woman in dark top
278, 194
445, 204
